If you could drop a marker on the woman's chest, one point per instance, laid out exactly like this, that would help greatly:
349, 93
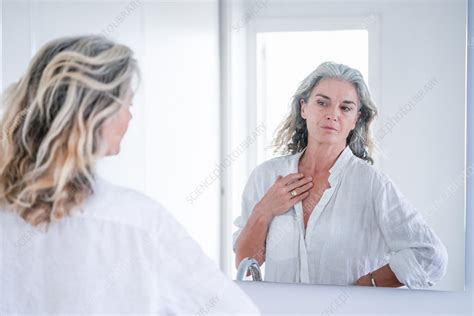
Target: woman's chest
320, 185
342, 220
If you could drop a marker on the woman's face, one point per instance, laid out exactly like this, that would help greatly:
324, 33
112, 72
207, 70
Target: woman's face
116, 126
332, 103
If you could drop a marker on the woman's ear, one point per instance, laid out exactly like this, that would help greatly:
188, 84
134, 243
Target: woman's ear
302, 107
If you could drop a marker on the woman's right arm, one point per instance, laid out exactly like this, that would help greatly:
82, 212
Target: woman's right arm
251, 241
277, 200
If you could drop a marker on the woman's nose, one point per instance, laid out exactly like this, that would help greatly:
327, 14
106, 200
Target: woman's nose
332, 114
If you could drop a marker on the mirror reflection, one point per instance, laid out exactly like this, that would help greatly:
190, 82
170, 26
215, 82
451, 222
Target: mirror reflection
321, 213
359, 175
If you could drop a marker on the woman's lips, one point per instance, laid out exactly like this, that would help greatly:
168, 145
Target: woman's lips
330, 128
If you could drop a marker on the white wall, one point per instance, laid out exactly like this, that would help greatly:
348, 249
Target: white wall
414, 43
173, 141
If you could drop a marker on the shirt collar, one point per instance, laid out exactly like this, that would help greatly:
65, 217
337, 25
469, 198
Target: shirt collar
338, 166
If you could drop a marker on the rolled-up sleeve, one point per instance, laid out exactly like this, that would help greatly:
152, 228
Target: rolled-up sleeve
417, 256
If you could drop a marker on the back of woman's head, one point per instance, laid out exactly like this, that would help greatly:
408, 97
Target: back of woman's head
50, 137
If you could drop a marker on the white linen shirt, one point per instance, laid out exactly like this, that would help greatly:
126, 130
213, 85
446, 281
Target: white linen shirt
123, 254
361, 223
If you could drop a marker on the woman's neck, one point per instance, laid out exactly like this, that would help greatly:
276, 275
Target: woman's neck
318, 158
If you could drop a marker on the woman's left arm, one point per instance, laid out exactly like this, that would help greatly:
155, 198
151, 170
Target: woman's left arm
383, 277
418, 258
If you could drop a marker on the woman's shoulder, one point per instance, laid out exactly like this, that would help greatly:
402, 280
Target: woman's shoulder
122, 205
275, 165
122, 193
373, 174
371, 171
106, 192
265, 173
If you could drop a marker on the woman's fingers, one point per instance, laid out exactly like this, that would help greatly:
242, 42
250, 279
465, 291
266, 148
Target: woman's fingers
302, 189
279, 198
292, 177
299, 198
299, 183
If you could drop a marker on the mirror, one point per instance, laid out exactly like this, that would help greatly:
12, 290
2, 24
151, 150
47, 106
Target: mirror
412, 56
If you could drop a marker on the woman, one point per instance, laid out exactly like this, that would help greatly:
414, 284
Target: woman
72, 242
323, 214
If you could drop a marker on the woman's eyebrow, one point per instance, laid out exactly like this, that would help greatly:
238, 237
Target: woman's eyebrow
326, 97
348, 101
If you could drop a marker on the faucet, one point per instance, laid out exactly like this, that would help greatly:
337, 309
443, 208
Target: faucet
245, 265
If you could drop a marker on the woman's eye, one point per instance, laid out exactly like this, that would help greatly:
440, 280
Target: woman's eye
346, 108
321, 103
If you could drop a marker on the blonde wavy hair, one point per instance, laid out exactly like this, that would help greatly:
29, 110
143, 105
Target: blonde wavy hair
292, 134
50, 132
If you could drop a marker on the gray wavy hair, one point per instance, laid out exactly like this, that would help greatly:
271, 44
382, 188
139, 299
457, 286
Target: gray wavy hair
292, 134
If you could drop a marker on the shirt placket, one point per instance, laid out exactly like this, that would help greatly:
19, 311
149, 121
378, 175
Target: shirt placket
303, 254
304, 241
319, 208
